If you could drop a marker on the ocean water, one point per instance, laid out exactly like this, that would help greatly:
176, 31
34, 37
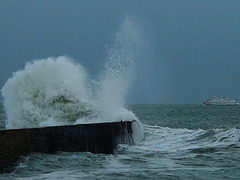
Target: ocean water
171, 141
180, 142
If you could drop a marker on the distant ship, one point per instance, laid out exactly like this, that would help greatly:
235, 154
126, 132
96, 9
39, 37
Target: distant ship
223, 101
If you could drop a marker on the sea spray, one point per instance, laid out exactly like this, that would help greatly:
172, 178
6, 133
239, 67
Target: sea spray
47, 92
58, 91
118, 75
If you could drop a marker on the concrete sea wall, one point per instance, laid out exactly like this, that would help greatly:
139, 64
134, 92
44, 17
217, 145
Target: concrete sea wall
95, 138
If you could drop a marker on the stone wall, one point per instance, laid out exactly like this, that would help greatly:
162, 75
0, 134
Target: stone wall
95, 138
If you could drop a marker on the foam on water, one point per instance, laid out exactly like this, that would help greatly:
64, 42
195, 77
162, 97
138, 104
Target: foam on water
169, 140
58, 91
170, 152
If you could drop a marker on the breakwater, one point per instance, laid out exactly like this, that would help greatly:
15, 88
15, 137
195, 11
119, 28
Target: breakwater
94, 138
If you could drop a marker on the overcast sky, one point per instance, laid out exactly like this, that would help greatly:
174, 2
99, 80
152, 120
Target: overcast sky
191, 47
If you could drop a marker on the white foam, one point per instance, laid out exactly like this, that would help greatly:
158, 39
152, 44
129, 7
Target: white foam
51, 90
171, 140
57, 91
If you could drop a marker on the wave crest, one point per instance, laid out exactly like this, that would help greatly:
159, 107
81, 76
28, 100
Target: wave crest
47, 92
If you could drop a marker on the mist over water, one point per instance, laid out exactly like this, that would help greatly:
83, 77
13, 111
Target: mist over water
58, 91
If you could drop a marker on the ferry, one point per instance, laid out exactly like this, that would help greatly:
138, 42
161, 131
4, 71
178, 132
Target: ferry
221, 101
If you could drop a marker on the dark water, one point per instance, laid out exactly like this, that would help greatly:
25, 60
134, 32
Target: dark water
181, 142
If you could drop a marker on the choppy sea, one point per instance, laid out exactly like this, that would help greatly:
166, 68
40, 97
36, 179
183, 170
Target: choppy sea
180, 142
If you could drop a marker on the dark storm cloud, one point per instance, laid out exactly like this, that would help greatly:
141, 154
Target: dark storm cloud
190, 50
